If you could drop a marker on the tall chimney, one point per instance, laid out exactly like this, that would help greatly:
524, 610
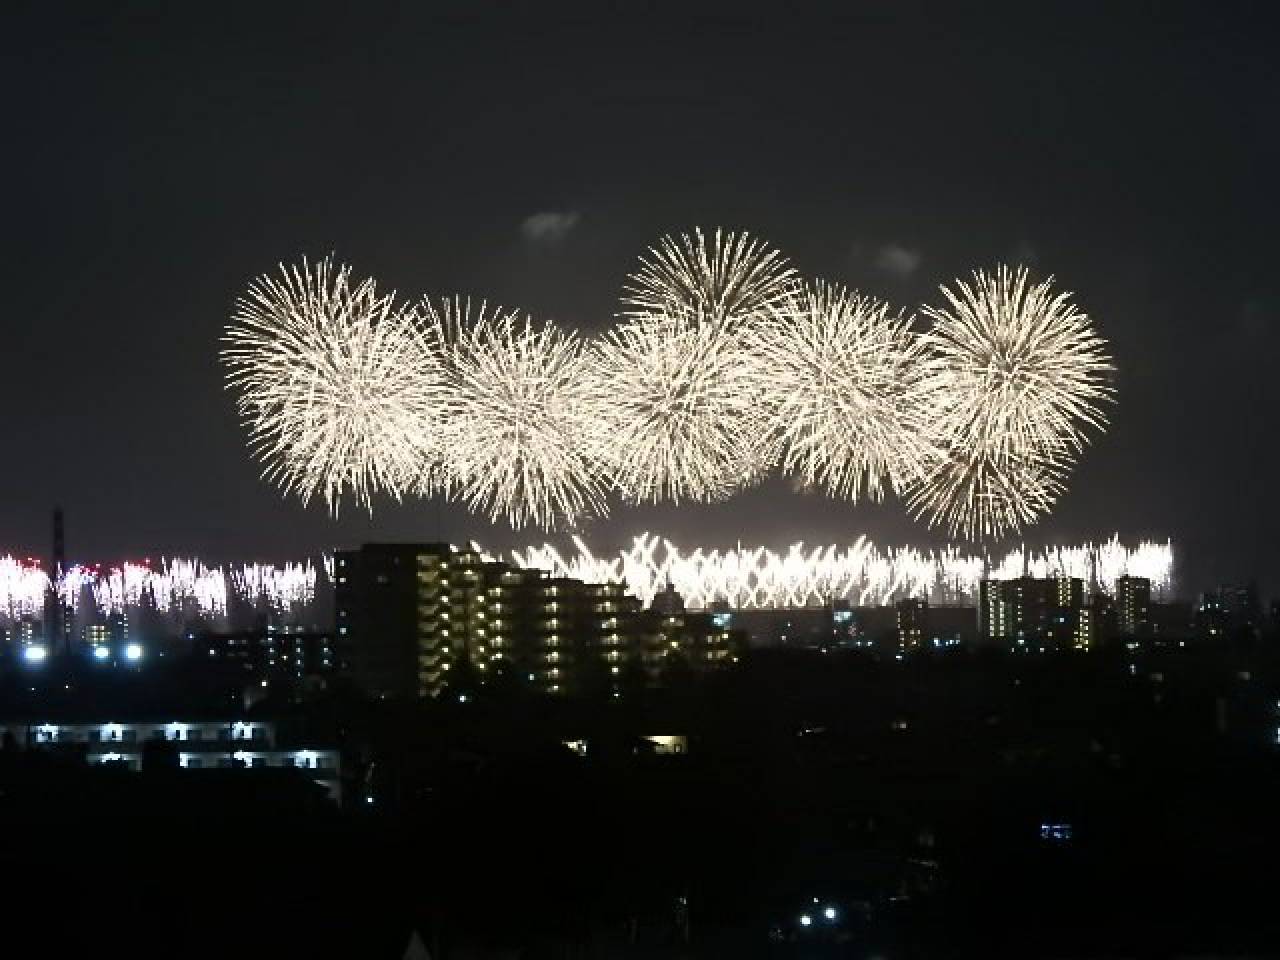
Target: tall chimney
59, 636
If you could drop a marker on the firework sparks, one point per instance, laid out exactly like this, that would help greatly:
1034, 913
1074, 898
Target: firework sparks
858, 574
843, 378
336, 384
1018, 377
525, 414
723, 364
725, 281
681, 418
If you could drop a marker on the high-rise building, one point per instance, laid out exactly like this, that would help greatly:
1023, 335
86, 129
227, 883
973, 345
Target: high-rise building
1229, 611
1095, 622
390, 618
1032, 614
1133, 605
415, 618
913, 624
271, 657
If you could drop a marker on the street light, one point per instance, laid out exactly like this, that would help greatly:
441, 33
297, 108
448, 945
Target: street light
133, 651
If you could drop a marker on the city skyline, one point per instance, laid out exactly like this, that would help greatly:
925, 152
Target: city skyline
640, 481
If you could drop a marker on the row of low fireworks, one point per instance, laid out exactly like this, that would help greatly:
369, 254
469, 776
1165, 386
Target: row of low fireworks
724, 364
177, 589
861, 574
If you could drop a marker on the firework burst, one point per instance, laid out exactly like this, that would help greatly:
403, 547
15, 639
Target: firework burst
680, 419
844, 380
337, 384
726, 280
1018, 377
520, 445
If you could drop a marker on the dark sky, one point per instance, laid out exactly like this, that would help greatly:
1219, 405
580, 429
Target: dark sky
156, 159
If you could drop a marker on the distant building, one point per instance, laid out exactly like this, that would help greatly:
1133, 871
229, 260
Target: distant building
198, 744
1032, 614
416, 618
913, 624
272, 658
95, 635
1133, 605
1096, 622
388, 606
1228, 611
951, 625
1175, 620
832, 627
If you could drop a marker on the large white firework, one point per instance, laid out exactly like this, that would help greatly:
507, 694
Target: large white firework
843, 378
338, 387
1018, 377
525, 410
680, 418
728, 279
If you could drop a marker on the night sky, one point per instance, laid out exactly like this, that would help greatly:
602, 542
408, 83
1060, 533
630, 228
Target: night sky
157, 159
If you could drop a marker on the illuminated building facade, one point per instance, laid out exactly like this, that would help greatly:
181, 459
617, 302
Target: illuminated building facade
1032, 614
1095, 622
912, 624
272, 658
1133, 605
417, 618
198, 744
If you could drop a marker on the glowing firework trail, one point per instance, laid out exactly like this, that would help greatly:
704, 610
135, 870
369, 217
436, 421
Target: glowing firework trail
843, 376
337, 384
1018, 377
860, 574
525, 411
726, 281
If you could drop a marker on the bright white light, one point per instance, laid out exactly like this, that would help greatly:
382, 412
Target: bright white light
35, 654
133, 651
805, 920
829, 913
723, 363
843, 375
681, 418
101, 653
336, 383
521, 413
859, 574
1018, 380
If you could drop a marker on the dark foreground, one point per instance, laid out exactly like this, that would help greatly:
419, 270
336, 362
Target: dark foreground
926, 804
